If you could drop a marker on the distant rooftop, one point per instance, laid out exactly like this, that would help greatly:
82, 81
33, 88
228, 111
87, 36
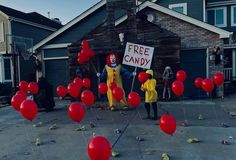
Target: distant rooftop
31, 17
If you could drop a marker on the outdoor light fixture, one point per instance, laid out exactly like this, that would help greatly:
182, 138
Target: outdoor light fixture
121, 37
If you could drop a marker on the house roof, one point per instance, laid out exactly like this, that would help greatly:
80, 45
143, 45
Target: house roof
221, 32
71, 23
30, 17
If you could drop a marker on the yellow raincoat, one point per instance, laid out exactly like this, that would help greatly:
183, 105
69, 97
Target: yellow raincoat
150, 90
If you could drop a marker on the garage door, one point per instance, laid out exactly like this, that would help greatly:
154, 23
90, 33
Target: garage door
194, 63
57, 72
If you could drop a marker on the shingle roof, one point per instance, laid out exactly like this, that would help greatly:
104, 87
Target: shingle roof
31, 17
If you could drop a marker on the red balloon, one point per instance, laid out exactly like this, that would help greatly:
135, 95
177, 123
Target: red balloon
73, 90
85, 44
81, 59
87, 53
218, 78
207, 85
102, 88
142, 77
168, 124
99, 148
86, 83
61, 91
181, 75
28, 109
17, 100
23, 86
118, 93
91, 53
112, 85
33, 87
134, 99
76, 112
78, 81
178, 88
22, 93
198, 82
87, 97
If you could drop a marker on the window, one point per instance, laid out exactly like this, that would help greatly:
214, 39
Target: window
217, 16
1, 32
233, 15
180, 7
7, 70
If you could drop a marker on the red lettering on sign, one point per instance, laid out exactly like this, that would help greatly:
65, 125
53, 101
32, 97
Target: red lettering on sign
146, 51
130, 47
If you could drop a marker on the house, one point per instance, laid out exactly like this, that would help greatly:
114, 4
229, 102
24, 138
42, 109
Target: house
223, 15
19, 31
182, 40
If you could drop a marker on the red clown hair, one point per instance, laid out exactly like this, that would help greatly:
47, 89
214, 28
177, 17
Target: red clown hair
108, 58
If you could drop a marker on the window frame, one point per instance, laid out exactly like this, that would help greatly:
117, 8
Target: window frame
184, 5
224, 16
2, 35
3, 70
232, 15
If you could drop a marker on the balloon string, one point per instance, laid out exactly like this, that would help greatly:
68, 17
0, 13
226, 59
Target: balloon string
124, 130
217, 118
94, 68
184, 110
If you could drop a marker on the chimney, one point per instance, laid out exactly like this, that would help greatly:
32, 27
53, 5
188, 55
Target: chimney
130, 7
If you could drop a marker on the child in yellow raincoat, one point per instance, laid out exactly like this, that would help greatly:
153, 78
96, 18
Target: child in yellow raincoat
149, 87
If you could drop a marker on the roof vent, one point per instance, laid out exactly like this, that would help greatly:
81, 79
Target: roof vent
56, 20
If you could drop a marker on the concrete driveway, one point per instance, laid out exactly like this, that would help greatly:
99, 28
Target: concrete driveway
17, 136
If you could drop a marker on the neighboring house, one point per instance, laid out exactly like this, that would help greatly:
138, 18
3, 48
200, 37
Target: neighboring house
222, 13
19, 31
191, 38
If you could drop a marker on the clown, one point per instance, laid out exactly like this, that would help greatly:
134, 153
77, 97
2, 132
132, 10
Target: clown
113, 73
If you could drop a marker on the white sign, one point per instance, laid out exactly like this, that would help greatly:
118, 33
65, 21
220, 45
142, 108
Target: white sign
138, 55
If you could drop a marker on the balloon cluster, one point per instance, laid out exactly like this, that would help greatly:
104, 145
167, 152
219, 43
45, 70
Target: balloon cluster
178, 85
85, 54
27, 108
207, 84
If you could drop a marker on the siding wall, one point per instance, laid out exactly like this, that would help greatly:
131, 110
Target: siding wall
5, 23
37, 34
194, 7
82, 28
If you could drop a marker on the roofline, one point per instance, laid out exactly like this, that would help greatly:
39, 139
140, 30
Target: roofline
4, 15
221, 32
33, 24
71, 23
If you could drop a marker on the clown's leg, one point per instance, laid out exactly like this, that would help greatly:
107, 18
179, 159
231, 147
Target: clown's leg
164, 92
169, 93
124, 103
111, 100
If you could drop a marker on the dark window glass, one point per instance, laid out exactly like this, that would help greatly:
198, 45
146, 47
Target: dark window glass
7, 69
211, 17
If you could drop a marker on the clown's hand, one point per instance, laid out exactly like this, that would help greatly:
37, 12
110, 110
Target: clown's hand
98, 74
134, 73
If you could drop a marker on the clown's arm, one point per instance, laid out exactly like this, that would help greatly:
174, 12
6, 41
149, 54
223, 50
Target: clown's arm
103, 75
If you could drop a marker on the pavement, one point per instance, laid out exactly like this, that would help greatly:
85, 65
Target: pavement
17, 136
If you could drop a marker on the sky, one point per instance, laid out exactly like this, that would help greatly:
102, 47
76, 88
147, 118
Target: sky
65, 10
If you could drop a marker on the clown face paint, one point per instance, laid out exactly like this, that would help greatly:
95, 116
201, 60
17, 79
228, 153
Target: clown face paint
113, 59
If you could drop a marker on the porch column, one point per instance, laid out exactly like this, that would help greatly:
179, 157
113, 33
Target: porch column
234, 64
